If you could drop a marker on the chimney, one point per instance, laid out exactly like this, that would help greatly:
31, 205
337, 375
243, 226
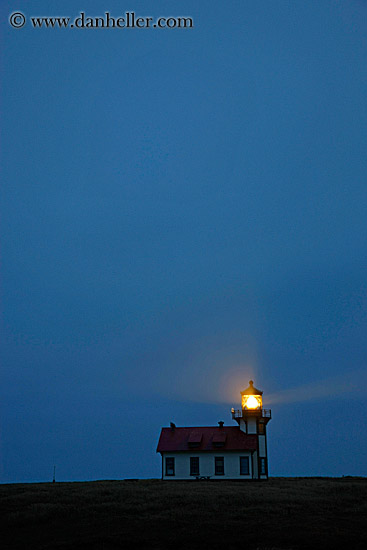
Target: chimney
173, 425
221, 423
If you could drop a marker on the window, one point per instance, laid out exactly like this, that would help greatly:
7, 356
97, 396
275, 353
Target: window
261, 428
219, 438
263, 466
244, 466
219, 465
194, 466
195, 439
170, 466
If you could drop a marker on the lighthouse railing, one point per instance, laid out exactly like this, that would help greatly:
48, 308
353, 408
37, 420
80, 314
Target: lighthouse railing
265, 413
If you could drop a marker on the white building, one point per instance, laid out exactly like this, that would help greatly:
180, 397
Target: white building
220, 452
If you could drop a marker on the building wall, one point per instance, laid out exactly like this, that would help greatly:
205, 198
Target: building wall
207, 468
255, 464
251, 425
262, 445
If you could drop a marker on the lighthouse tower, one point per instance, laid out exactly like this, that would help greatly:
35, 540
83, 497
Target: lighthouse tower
253, 420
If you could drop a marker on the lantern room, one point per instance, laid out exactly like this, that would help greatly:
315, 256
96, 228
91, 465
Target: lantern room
251, 398
251, 407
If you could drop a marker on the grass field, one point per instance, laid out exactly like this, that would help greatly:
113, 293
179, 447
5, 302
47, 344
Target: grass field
283, 513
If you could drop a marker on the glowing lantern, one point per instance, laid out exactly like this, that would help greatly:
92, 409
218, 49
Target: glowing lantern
251, 398
251, 402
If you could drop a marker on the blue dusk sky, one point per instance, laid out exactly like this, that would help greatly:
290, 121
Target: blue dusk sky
183, 210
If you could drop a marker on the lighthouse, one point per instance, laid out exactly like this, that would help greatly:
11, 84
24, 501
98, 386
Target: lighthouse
219, 452
253, 420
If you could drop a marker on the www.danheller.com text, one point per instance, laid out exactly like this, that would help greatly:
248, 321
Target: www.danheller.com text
128, 20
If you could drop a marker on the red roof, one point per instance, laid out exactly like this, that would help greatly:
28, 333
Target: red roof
228, 438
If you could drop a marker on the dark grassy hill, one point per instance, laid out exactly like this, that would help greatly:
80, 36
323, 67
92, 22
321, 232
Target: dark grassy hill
283, 513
